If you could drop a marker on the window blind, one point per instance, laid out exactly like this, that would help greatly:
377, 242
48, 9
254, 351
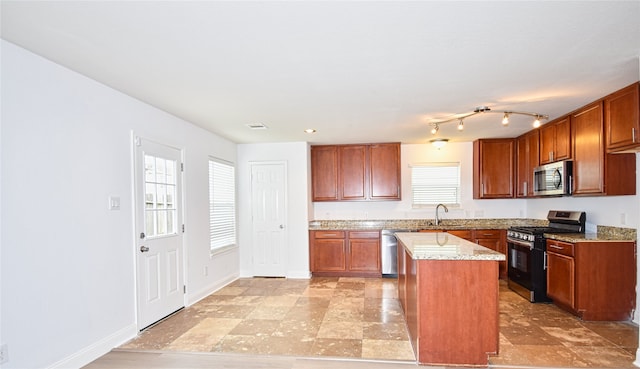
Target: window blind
222, 207
435, 183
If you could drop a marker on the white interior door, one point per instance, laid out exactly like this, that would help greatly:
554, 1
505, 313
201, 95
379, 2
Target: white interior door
268, 203
158, 179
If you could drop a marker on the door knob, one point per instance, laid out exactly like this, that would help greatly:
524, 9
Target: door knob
144, 249
281, 226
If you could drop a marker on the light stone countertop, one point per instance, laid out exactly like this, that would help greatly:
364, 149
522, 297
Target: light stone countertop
444, 246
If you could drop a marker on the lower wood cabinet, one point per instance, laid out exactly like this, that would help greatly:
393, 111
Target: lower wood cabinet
345, 253
593, 280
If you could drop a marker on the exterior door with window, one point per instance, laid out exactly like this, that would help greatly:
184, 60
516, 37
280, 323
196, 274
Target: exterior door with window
268, 206
160, 286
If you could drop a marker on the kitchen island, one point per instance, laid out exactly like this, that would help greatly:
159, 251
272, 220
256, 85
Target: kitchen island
448, 288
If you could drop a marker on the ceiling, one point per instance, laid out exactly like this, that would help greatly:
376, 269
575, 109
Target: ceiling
355, 71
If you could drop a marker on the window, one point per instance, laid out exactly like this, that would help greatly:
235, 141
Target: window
160, 208
435, 183
222, 204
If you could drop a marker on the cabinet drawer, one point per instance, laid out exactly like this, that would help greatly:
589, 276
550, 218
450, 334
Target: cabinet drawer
563, 248
488, 233
329, 234
466, 234
364, 234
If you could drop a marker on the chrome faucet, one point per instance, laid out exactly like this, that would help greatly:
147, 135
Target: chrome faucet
446, 210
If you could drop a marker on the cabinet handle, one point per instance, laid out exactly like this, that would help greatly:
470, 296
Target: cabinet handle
556, 247
550, 155
481, 189
633, 134
524, 188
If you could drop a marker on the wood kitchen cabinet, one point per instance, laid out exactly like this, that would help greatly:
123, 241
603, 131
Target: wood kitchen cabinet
527, 158
622, 119
345, 253
493, 168
561, 273
594, 171
594, 280
324, 173
555, 140
496, 240
368, 172
385, 172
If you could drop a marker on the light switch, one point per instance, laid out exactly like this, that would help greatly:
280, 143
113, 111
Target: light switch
114, 203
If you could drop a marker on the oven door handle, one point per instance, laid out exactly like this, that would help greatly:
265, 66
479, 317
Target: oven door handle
544, 264
521, 243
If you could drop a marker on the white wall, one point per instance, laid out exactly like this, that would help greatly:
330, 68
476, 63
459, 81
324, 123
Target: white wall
68, 273
461, 152
295, 155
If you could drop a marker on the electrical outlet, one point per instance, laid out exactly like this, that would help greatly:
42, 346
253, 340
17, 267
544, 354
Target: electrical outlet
623, 218
479, 213
4, 353
206, 270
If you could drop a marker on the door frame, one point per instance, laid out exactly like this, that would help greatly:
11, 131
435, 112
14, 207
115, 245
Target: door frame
285, 166
135, 141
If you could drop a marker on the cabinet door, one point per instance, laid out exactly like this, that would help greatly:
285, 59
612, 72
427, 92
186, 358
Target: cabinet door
494, 167
555, 141
324, 173
353, 172
496, 240
561, 279
329, 255
364, 255
385, 171
527, 158
588, 158
563, 140
622, 118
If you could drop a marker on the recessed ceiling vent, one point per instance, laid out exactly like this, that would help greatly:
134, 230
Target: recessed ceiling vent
257, 126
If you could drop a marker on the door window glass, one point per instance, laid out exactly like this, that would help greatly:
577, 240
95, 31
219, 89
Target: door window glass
160, 196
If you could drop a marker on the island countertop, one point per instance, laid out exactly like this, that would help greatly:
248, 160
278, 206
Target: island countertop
444, 246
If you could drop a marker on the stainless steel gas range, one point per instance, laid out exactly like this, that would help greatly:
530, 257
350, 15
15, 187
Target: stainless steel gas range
527, 253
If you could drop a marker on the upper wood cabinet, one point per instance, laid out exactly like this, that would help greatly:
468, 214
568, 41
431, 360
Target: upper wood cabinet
493, 168
594, 171
555, 140
385, 172
622, 119
527, 158
324, 173
588, 147
355, 172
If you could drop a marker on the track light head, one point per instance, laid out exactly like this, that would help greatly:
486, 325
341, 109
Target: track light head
505, 119
536, 123
460, 125
434, 130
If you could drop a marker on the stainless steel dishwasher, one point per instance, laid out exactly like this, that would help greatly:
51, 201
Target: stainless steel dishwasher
389, 252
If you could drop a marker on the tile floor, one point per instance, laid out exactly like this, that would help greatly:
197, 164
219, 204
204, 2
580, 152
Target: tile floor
362, 318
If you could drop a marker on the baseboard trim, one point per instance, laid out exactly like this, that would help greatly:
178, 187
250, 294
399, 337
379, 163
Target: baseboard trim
96, 350
204, 292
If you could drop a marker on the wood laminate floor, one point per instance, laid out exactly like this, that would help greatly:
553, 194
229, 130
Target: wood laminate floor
353, 323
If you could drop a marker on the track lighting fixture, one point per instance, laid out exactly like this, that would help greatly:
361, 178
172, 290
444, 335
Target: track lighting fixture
485, 109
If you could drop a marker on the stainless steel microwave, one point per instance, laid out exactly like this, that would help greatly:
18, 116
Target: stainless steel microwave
554, 179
